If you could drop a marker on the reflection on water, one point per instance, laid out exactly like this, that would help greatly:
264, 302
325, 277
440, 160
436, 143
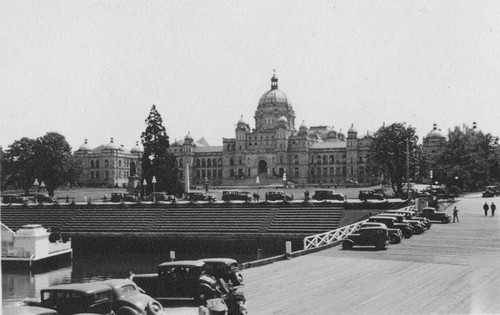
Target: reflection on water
87, 267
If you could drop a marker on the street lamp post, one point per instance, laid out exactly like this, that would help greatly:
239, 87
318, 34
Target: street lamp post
257, 181
42, 185
144, 184
284, 185
36, 184
154, 184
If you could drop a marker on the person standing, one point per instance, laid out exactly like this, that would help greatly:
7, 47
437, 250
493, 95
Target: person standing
493, 208
486, 208
455, 215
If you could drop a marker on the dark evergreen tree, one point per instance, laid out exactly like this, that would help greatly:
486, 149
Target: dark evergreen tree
18, 167
388, 155
156, 160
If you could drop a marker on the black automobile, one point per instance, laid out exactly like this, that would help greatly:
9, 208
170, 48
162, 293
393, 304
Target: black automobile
229, 195
377, 236
328, 195
119, 197
14, 198
44, 198
277, 196
491, 191
200, 196
370, 194
226, 268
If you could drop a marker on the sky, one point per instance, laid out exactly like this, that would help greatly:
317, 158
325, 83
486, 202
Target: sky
93, 69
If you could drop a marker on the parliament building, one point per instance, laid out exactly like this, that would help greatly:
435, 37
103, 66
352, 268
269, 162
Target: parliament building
271, 152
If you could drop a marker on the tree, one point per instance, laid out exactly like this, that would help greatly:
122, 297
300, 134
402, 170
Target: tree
388, 155
469, 159
156, 160
54, 161
47, 159
18, 170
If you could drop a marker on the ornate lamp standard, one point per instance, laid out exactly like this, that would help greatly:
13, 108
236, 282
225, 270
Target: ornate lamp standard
36, 184
284, 185
154, 184
42, 185
257, 181
144, 184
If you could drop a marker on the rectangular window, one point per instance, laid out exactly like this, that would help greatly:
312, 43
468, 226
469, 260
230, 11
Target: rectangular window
220, 173
331, 171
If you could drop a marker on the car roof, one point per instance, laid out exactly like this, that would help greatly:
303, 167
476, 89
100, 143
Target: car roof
185, 263
381, 217
117, 282
373, 228
88, 288
227, 261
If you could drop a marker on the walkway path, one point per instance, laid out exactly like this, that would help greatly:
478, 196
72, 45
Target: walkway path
450, 269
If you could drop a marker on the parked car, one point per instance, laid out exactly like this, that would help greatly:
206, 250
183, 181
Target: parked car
76, 298
128, 299
228, 195
416, 226
277, 195
491, 191
179, 279
411, 215
160, 196
328, 195
370, 194
200, 196
395, 235
439, 193
433, 215
391, 223
225, 268
14, 198
119, 197
368, 236
44, 198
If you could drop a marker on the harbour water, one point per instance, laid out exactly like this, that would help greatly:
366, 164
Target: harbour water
90, 266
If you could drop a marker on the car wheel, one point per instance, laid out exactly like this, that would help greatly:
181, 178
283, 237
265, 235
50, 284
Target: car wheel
395, 239
445, 220
154, 308
127, 311
347, 245
203, 295
419, 230
407, 233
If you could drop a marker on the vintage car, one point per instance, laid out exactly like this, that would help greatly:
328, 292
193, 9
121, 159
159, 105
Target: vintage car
277, 196
392, 223
377, 236
14, 198
395, 235
229, 195
433, 215
44, 198
370, 194
129, 300
179, 279
491, 191
200, 196
225, 268
328, 194
416, 226
411, 215
159, 196
76, 298
119, 197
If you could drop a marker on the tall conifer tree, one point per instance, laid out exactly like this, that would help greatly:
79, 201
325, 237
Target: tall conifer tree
156, 160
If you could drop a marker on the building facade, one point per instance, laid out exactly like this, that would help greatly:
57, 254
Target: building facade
275, 150
109, 165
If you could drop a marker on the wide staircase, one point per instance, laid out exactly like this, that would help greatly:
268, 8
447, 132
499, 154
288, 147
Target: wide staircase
167, 219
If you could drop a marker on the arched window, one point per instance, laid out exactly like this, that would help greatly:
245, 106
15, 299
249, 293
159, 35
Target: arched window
220, 162
325, 159
332, 160
318, 159
297, 171
120, 165
203, 162
296, 159
198, 162
214, 162
97, 164
209, 163
229, 147
106, 164
231, 161
91, 163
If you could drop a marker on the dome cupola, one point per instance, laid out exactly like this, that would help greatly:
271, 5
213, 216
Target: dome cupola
85, 147
352, 132
136, 148
112, 145
435, 133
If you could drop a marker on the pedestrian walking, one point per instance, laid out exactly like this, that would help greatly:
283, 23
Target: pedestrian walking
455, 215
493, 208
486, 208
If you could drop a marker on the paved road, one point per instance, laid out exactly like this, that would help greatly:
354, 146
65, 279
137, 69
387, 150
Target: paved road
450, 269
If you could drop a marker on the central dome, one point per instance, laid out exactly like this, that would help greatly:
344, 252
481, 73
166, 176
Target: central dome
274, 97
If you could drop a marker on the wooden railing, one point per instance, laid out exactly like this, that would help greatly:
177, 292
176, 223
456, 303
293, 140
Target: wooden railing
330, 237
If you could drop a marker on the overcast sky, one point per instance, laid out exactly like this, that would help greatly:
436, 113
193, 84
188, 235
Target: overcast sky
92, 69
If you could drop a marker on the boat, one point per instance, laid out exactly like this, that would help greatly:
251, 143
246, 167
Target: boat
33, 246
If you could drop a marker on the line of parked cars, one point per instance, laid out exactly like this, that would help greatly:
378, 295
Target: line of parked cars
391, 226
22, 199
211, 283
